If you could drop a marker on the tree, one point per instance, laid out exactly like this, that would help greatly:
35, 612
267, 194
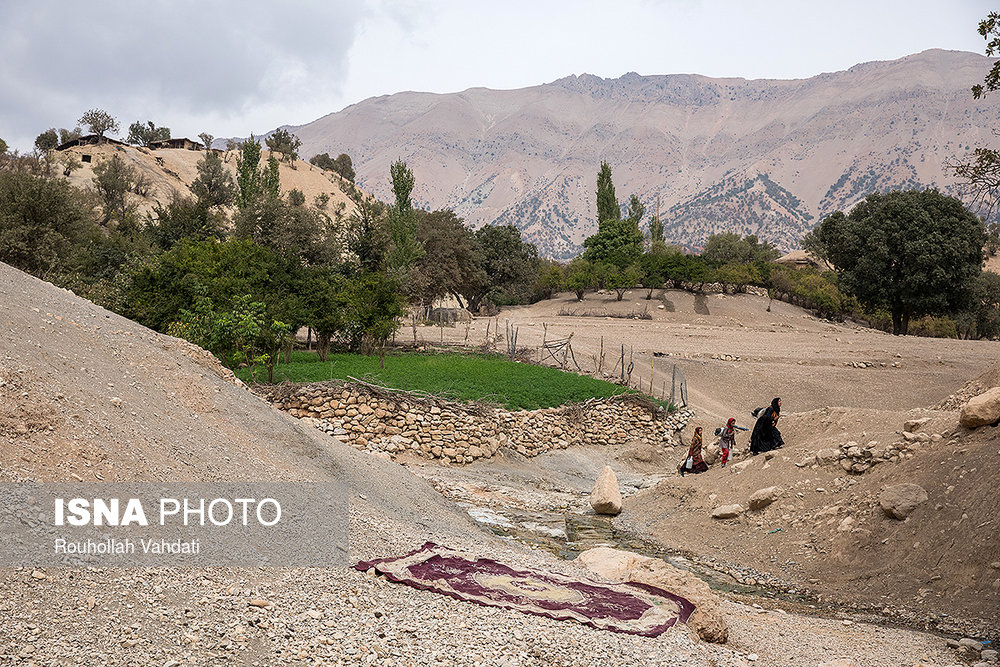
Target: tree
183, 218
69, 135
622, 280
607, 204
451, 255
729, 248
509, 267
404, 247
214, 185
916, 252
144, 134
248, 177
579, 277
343, 166
113, 180
980, 172
98, 122
375, 304
285, 144
367, 236
206, 140
656, 238
550, 278
617, 242
45, 224
47, 140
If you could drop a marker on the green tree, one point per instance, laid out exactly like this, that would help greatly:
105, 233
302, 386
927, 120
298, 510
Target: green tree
550, 278
206, 141
509, 268
729, 248
69, 135
375, 305
916, 252
617, 242
45, 225
451, 256
214, 185
144, 134
367, 236
98, 122
580, 277
404, 246
183, 218
607, 203
343, 166
285, 144
113, 180
622, 280
980, 171
249, 179
47, 140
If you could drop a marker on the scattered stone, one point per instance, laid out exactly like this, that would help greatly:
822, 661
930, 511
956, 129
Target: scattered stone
981, 410
727, 512
261, 604
625, 566
899, 500
38, 574
912, 425
841, 662
764, 497
606, 498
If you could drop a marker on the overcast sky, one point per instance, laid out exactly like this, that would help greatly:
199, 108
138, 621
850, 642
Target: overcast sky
230, 68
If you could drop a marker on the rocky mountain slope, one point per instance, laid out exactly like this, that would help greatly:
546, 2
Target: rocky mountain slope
770, 157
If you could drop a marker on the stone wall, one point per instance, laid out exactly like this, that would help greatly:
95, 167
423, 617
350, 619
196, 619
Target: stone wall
389, 423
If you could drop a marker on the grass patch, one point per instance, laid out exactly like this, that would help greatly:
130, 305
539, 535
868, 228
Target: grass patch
457, 376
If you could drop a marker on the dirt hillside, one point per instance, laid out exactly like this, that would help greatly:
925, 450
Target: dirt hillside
171, 171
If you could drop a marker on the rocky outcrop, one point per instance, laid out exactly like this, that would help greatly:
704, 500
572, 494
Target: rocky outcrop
981, 410
388, 422
606, 498
624, 566
899, 500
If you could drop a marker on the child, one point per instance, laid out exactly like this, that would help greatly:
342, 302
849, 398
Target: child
728, 438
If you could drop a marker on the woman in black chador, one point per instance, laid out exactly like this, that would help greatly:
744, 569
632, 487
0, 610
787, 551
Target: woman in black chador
765, 435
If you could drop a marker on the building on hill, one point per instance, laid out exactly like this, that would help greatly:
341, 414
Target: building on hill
179, 142
89, 140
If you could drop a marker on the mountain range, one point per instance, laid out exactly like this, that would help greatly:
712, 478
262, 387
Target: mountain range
765, 157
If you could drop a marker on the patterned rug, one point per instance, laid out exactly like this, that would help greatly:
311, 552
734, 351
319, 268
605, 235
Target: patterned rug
631, 608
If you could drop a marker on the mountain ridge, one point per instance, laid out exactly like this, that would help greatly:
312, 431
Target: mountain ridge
529, 156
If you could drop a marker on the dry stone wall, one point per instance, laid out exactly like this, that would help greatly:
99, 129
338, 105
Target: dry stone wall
390, 423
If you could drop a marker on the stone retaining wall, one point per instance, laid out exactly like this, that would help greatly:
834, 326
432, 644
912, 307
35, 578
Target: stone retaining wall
389, 423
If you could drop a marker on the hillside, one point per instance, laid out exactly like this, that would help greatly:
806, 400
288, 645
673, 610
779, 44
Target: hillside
769, 157
171, 171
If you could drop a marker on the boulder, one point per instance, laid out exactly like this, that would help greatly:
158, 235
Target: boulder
712, 453
912, 425
624, 566
761, 498
606, 498
727, 512
981, 410
898, 500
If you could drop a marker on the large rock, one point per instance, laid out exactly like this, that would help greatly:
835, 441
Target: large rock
727, 512
606, 498
899, 500
622, 566
764, 497
828, 455
981, 410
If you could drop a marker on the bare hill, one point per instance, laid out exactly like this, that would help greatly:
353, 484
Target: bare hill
769, 157
171, 171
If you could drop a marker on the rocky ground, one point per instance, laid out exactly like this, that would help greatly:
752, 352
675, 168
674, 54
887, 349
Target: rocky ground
87, 395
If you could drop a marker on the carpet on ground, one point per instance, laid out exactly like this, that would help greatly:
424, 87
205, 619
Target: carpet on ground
631, 608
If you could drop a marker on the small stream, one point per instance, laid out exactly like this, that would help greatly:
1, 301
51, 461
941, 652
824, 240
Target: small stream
568, 534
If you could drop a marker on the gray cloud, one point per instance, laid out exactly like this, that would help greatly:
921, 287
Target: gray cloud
155, 60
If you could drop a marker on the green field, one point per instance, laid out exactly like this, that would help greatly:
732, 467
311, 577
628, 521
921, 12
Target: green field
456, 376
